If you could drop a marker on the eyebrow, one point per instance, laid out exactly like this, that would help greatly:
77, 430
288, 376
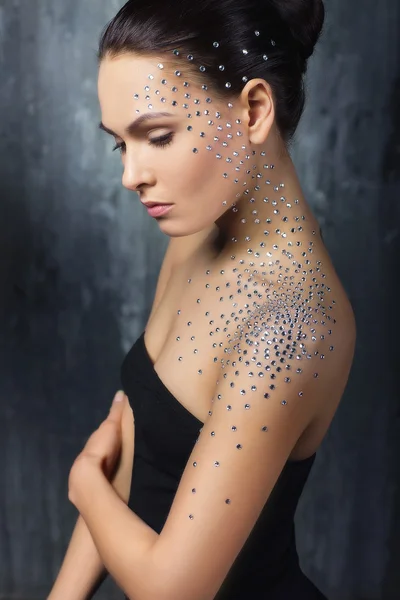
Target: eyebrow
130, 129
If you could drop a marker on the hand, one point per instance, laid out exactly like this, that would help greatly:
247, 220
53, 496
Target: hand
102, 450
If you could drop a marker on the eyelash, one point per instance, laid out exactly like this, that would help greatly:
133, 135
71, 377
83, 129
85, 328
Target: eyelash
160, 142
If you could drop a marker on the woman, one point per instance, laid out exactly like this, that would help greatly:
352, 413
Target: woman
188, 489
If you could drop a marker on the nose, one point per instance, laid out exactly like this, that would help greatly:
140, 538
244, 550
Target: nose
135, 175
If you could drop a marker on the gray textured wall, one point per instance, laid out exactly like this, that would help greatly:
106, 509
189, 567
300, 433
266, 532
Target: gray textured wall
75, 248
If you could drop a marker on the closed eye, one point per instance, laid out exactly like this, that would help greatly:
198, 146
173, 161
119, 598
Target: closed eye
162, 141
159, 142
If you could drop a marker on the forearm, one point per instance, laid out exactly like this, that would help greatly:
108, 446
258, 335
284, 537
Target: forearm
123, 540
82, 570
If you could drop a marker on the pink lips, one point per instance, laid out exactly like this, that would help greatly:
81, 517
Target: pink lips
157, 210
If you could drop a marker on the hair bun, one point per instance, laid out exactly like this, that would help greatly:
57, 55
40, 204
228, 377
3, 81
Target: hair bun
305, 19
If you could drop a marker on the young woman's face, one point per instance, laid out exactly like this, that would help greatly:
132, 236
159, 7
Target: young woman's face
198, 163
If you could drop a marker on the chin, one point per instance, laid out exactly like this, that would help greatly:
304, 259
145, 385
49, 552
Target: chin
178, 228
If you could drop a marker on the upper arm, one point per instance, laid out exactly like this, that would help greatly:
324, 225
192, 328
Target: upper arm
272, 376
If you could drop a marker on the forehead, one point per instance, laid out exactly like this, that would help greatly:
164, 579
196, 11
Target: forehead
131, 85
133, 74
126, 71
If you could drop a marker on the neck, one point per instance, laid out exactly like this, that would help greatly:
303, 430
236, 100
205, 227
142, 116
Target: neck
244, 225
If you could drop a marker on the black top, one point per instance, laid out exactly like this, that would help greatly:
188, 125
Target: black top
165, 432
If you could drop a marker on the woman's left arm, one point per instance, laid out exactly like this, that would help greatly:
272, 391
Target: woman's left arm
261, 407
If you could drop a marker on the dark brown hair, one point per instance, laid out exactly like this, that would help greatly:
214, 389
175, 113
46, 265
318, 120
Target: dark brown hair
278, 35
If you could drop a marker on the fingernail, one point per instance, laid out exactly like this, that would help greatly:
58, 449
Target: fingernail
119, 396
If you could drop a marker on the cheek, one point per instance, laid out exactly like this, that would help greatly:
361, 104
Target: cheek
202, 172
218, 178
198, 177
185, 170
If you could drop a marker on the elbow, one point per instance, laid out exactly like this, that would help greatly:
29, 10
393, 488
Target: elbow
173, 588
162, 587
175, 579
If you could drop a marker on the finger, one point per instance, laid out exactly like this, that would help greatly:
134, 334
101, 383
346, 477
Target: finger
105, 440
117, 407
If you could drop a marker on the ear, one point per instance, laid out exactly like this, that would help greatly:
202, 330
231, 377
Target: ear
258, 110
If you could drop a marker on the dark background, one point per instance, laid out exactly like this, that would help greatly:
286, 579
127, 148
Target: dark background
79, 259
